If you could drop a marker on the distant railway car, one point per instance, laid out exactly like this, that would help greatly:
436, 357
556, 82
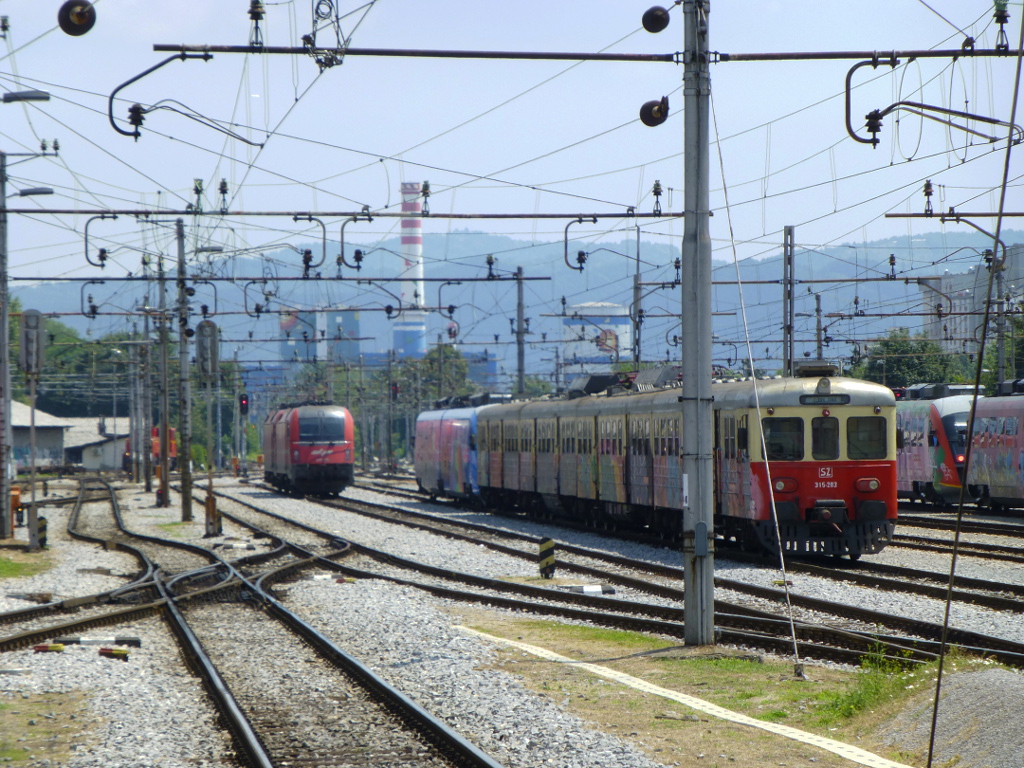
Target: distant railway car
446, 453
996, 474
820, 458
932, 448
155, 449
309, 449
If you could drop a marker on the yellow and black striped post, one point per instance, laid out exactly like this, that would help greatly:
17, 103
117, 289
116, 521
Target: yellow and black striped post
547, 558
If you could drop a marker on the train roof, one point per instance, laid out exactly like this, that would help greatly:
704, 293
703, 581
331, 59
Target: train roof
778, 392
944, 405
781, 392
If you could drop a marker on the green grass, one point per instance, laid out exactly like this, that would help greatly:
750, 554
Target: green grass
174, 529
11, 569
880, 680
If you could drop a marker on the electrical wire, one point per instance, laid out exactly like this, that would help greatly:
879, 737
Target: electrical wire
997, 265
757, 408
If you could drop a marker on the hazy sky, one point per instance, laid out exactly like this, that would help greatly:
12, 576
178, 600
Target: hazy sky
497, 136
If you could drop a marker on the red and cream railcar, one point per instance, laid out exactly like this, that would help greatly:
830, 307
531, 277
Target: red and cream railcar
815, 458
821, 460
309, 449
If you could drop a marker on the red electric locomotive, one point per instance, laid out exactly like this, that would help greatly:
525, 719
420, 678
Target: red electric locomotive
309, 449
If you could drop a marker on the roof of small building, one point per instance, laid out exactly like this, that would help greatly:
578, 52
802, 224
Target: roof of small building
86, 431
21, 416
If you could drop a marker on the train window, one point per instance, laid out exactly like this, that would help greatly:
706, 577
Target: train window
322, 429
825, 438
728, 436
784, 438
865, 437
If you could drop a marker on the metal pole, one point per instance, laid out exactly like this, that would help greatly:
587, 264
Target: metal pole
637, 299
133, 409
33, 515
520, 336
817, 329
1000, 324
787, 301
6, 431
165, 394
184, 385
146, 422
236, 415
390, 417
636, 319
213, 526
220, 422
698, 523
440, 368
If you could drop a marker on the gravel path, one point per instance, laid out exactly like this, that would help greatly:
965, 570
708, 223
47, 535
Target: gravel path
409, 638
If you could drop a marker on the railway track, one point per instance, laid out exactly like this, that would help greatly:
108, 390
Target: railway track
215, 606
736, 623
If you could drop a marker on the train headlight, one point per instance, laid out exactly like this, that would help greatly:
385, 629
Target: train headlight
785, 485
867, 484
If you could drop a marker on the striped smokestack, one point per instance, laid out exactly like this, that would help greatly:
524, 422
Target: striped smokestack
410, 332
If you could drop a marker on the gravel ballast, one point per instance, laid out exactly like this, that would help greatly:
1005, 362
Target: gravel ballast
410, 639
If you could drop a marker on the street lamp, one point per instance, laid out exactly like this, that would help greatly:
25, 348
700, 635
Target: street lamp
6, 431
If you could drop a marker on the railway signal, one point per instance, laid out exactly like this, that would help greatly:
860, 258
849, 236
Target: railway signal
243, 404
207, 350
33, 342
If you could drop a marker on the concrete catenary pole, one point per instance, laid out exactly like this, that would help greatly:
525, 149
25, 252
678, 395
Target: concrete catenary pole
698, 524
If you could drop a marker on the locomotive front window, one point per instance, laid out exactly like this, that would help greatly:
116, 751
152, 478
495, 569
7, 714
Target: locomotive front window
784, 438
326, 429
865, 437
825, 438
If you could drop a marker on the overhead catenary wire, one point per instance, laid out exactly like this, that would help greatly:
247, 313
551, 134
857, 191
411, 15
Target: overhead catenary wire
757, 406
998, 265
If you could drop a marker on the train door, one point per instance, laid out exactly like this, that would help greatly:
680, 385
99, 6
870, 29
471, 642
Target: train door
639, 459
732, 465
587, 458
568, 465
547, 461
667, 464
510, 454
527, 482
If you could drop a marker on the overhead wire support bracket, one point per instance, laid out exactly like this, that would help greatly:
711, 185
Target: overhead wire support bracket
891, 59
671, 58
135, 111
102, 256
307, 259
341, 254
581, 258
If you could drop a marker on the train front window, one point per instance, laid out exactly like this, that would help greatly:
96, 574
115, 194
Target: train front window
326, 429
955, 427
865, 437
784, 438
825, 438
